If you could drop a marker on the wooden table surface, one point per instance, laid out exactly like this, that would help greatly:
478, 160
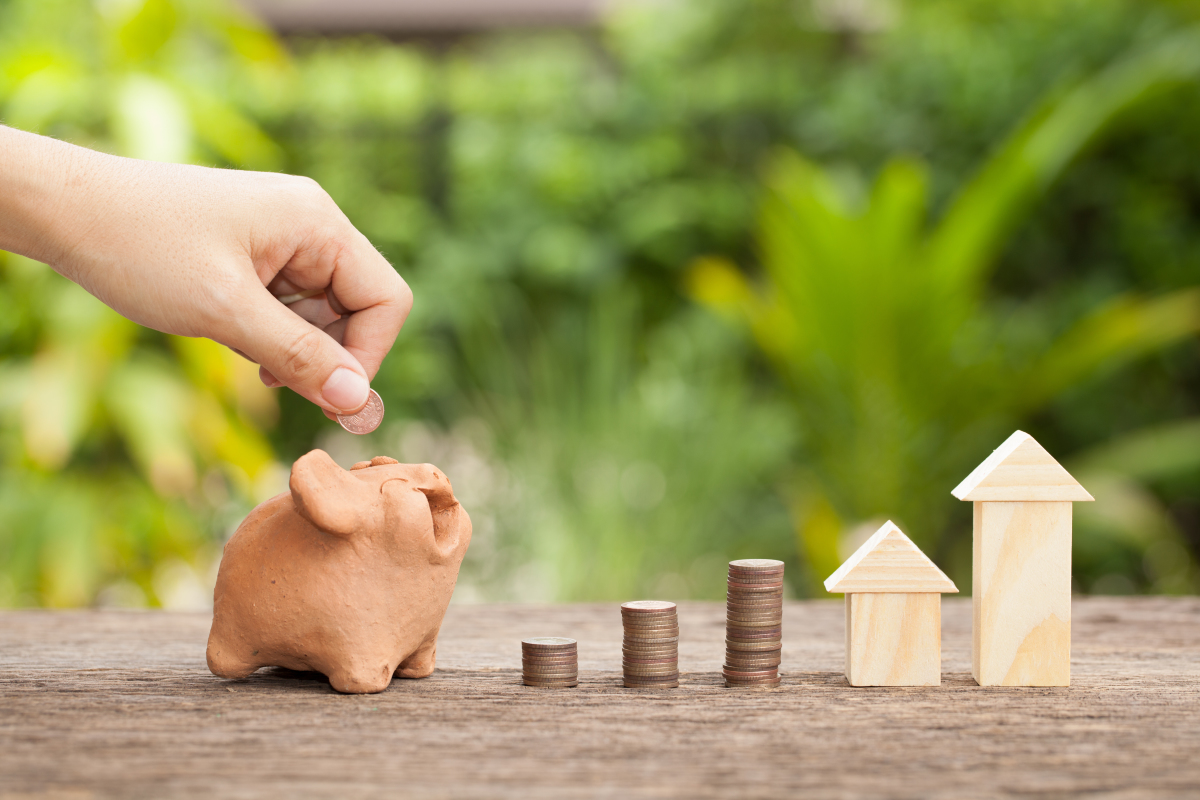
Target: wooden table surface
116, 704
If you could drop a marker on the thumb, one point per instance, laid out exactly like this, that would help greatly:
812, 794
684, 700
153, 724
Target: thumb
302, 356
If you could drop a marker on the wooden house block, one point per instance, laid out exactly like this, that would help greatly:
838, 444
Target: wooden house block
894, 639
1021, 565
893, 612
1020, 470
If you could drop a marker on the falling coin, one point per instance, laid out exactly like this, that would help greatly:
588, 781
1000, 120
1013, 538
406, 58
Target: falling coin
367, 419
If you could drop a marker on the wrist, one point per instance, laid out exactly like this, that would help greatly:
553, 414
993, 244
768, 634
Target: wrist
37, 176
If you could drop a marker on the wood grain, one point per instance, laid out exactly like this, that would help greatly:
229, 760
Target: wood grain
1022, 594
888, 562
894, 639
120, 705
1020, 469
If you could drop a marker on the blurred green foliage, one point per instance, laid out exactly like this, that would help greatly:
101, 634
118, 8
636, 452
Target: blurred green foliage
127, 455
1024, 257
900, 371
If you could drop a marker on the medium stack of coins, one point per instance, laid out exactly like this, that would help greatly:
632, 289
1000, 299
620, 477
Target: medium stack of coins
650, 652
754, 623
549, 661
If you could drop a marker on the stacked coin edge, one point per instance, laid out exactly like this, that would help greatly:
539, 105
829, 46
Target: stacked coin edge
549, 662
650, 648
753, 623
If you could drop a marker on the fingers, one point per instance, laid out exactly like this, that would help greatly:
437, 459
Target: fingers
316, 310
327, 346
335, 329
267, 378
297, 354
376, 298
274, 383
365, 301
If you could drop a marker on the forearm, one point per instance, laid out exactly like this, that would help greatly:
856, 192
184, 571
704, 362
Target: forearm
37, 175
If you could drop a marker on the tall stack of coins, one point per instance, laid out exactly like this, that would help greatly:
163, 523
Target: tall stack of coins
549, 661
650, 652
754, 623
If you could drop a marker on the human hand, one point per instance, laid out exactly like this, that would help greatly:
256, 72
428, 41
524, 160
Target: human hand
207, 252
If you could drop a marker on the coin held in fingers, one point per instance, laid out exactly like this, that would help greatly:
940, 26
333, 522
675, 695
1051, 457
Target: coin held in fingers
367, 419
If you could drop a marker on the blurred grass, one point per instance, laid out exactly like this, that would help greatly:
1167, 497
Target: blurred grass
1026, 255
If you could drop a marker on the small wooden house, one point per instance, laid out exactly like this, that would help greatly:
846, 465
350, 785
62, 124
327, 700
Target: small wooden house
893, 612
1021, 592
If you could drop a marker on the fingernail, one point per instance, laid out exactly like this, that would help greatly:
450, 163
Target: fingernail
269, 380
345, 390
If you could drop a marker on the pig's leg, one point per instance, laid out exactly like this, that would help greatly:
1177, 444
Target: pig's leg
356, 676
224, 664
420, 663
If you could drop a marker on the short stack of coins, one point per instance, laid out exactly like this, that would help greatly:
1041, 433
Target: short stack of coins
549, 661
650, 651
754, 623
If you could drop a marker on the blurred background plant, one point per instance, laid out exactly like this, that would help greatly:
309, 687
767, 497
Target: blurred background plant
560, 199
127, 455
900, 371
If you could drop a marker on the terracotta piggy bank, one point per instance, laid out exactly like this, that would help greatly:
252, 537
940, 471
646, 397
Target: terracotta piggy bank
349, 574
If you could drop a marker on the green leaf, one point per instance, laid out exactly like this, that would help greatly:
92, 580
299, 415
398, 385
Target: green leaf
982, 215
151, 408
1125, 329
1149, 454
144, 34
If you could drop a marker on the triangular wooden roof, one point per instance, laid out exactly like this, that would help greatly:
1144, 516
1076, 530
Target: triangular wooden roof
1020, 469
888, 562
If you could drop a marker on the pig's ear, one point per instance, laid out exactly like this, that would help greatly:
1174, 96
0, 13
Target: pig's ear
330, 497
